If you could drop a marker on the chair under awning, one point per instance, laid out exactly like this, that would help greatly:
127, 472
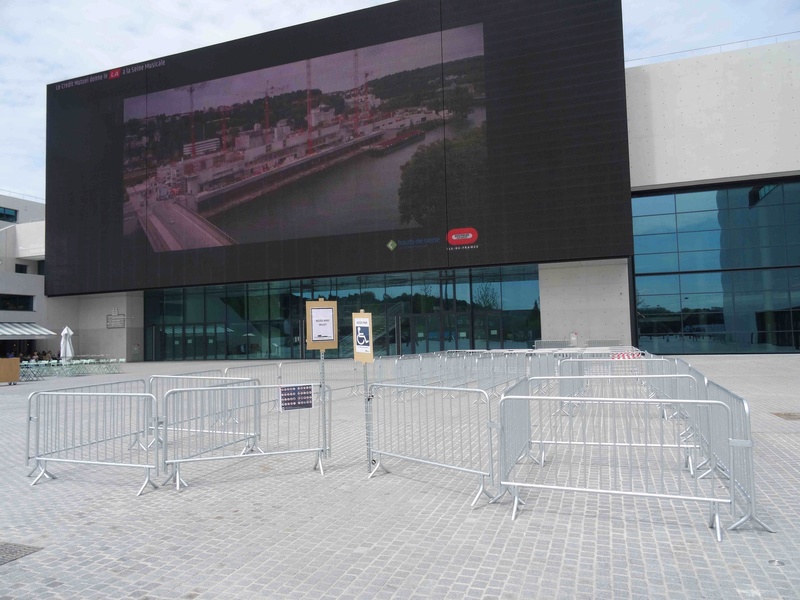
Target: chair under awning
24, 331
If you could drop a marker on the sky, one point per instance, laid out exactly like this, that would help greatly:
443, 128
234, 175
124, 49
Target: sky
47, 41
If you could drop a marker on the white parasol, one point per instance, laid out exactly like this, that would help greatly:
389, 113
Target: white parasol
66, 344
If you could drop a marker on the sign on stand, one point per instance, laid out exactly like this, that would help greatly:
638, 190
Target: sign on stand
322, 332
295, 397
362, 337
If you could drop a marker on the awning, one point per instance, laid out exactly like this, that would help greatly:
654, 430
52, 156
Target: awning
23, 331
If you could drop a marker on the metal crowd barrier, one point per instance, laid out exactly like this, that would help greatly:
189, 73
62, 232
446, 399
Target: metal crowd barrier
606, 420
714, 448
616, 366
129, 387
349, 379
264, 373
438, 426
542, 344
223, 423
739, 471
615, 446
38, 370
96, 428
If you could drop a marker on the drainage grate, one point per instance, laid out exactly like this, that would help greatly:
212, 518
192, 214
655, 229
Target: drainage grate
788, 416
9, 552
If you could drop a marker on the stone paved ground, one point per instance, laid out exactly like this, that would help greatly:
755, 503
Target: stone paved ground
274, 528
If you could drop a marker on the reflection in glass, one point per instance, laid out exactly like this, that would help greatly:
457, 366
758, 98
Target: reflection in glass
694, 283
699, 261
649, 244
737, 298
696, 201
656, 263
699, 240
656, 224
653, 205
698, 221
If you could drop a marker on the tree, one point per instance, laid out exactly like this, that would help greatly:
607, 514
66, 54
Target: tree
486, 296
423, 193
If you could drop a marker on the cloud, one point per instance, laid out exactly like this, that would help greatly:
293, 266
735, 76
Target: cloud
669, 26
48, 41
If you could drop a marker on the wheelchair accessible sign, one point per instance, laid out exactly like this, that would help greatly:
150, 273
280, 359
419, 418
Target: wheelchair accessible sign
362, 337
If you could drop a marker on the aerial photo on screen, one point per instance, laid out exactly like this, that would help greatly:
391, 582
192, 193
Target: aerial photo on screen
342, 144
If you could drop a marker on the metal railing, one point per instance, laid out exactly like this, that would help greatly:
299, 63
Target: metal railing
615, 446
714, 448
438, 426
97, 428
615, 420
223, 423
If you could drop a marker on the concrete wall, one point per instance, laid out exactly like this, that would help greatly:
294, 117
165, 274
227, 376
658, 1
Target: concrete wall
95, 313
589, 298
729, 116
27, 210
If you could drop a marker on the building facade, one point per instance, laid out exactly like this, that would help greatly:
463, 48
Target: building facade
700, 256
715, 176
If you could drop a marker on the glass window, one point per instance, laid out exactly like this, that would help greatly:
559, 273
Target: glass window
668, 303
794, 290
657, 224
258, 301
793, 255
710, 200
702, 302
756, 301
650, 244
698, 221
792, 216
215, 304
12, 302
746, 258
695, 283
173, 306
774, 279
653, 205
754, 237
699, 240
656, 263
520, 295
8, 214
699, 261
760, 194
657, 285
758, 216
153, 307
486, 295
194, 306
425, 289
791, 193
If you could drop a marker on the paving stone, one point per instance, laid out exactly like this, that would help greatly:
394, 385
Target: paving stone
275, 528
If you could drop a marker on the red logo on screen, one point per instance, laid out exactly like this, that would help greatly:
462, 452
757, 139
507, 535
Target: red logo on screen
462, 236
113, 73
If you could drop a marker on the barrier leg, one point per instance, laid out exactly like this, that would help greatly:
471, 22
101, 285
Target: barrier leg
175, 476
481, 490
378, 465
43, 472
714, 521
147, 479
318, 462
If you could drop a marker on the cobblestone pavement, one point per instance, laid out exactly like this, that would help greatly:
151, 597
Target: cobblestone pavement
275, 528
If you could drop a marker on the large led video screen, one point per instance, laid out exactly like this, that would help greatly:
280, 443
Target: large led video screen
414, 135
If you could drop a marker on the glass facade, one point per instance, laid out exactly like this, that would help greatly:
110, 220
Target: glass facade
8, 214
717, 270
479, 308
